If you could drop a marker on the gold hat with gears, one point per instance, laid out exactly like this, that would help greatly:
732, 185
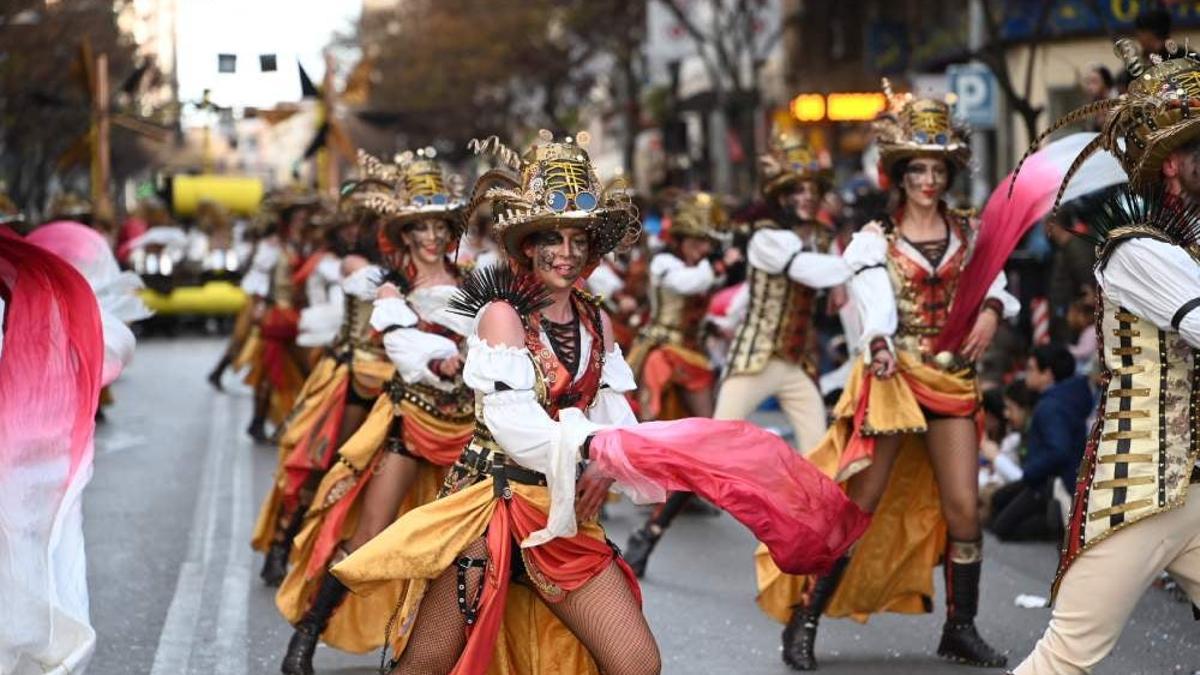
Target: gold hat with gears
790, 159
698, 214
919, 127
1158, 114
553, 186
421, 188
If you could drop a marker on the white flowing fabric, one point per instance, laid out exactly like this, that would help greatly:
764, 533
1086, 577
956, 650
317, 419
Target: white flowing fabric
44, 610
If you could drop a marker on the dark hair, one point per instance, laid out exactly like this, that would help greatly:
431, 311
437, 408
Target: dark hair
1020, 394
1105, 74
993, 403
1156, 21
1056, 358
901, 167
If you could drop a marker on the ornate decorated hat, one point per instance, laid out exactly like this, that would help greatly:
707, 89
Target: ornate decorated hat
375, 178
790, 159
421, 188
698, 214
919, 127
1159, 113
553, 185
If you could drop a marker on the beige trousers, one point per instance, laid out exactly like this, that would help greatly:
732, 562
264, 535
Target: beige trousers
798, 396
1105, 582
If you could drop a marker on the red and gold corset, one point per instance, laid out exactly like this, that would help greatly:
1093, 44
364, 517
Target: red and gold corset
557, 388
924, 295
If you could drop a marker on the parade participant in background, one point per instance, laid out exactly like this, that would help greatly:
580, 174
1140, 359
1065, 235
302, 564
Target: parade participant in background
774, 352
50, 382
675, 378
255, 284
344, 383
399, 455
519, 505
1136, 510
277, 368
905, 441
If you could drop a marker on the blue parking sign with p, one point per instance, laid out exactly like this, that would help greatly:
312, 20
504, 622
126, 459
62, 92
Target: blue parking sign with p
975, 87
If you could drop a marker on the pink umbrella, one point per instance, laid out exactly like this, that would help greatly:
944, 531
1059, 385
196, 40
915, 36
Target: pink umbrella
1005, 219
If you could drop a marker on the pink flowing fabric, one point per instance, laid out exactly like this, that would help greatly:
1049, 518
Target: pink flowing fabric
50, 371
1007, 218
803, 517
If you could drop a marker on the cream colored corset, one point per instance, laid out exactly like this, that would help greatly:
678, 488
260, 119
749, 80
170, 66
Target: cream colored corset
1147, 440
778, 322
678, 319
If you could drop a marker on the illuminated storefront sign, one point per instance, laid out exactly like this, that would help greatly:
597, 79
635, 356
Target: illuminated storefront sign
839, 107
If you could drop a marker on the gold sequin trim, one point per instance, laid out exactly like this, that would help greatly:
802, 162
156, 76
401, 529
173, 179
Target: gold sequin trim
1114, 510
1127, 435
1128, 414
1126, 458
1130, 393
1123, 482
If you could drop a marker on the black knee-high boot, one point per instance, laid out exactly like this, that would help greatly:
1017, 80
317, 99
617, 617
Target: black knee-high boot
644, 539
299, 656
262, 401
800, 634
214, 377
961, 642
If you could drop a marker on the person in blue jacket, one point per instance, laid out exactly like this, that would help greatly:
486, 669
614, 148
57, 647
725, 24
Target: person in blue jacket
1053, 441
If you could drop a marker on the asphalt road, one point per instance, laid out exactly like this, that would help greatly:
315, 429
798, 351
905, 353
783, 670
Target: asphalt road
174, 585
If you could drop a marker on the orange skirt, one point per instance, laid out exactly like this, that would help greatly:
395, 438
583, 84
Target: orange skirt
891, 569
663, 371
515, 632
359, 623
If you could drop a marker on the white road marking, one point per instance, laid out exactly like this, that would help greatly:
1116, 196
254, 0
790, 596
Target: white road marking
178, 636
232, 616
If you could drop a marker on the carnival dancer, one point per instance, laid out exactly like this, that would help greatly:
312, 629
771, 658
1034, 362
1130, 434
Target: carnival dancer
519, 505
398, 457
905, 440
774, 352
344, 383
1136, 511
277, 369
255, 283
675, 378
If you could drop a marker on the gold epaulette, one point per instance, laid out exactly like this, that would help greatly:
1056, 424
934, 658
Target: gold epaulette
589, 297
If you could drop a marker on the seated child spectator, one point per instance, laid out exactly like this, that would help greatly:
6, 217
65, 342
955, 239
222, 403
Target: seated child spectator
1053, 441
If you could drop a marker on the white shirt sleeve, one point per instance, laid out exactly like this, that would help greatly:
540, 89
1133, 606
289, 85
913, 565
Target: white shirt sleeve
1154, 280
675, 275
526, 432
408, 347
361, 283
782, 251
257, 280
999, 291
610, 406
604, 281
870, 288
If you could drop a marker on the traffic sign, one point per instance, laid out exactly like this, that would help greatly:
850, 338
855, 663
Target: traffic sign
975, 87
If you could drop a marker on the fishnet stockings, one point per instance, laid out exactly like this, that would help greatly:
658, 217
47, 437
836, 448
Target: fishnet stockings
606, 618
439, 635
603, 614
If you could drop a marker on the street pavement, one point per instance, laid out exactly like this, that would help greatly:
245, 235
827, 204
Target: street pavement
175, 588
